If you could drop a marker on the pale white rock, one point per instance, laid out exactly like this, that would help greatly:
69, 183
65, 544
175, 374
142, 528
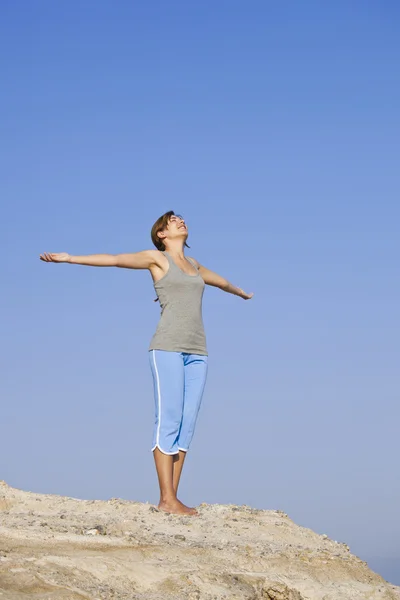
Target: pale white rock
92, 532
228, 552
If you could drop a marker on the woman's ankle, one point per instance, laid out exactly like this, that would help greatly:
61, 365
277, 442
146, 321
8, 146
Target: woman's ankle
167, 498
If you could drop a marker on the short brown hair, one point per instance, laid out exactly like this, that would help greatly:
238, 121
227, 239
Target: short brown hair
160, 225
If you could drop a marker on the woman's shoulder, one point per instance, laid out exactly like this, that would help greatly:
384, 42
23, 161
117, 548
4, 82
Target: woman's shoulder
196, 262
156, 255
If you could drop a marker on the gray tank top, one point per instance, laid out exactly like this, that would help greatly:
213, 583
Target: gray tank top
180, 328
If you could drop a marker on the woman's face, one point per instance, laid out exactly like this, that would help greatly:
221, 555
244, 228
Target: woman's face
177, 227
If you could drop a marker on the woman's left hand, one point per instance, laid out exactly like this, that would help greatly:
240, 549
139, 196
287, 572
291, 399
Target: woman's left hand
246, 296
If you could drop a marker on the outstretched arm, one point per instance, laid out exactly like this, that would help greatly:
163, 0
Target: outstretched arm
211, 278
135, 260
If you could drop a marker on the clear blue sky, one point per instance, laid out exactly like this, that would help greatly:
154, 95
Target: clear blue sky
274, 129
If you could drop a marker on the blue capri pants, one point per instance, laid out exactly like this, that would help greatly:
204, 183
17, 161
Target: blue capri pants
179, 379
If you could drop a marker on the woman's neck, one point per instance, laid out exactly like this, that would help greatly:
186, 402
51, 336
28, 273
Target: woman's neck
176, 250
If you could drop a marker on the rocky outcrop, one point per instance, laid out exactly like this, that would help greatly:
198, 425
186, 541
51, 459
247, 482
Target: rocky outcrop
58, 548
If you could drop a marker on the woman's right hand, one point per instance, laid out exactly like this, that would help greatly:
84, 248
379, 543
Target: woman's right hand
55, 257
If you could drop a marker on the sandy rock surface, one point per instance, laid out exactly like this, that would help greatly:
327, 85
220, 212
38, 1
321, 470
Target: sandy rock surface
59, 548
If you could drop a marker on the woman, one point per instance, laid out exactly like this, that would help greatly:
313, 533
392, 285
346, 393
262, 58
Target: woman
178, 353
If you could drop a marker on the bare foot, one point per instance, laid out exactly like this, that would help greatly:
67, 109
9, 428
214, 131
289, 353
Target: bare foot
176, 507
